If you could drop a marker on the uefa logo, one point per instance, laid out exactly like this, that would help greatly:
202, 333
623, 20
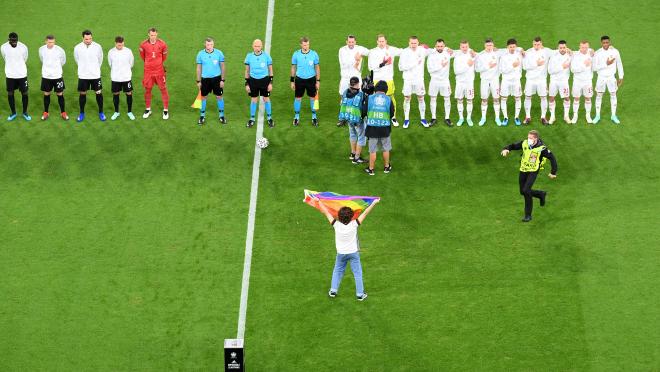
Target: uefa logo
379, 100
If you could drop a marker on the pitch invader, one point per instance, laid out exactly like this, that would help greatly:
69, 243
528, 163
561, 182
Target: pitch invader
52, 59
15, 55
487, 65
121, 62
607, 65
350, 64
153, 52
89, 57
305, 78
559, 68
437, 64
411, 63
381, 59
582, 69
259, 80
536, 78
464, 71
210, 72
511, 69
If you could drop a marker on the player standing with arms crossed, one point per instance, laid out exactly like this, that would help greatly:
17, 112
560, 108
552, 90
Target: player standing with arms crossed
153, 52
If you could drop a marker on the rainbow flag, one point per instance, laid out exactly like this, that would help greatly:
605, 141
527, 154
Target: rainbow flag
333, 201
198, 101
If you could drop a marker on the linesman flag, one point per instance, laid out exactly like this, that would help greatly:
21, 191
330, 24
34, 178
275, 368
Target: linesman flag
333, 201
316, 101
198, 101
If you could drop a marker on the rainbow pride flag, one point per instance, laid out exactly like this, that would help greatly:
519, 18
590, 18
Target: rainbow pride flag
333, 201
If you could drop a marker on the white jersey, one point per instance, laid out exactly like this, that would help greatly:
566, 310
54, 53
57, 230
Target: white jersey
600, 63
464, 73
376, 57
509, 72
556, 66
346, 237
483, 63
347, 60
121, 63
89, 59
579, 69
438, 65
52, 60
533, 70
15, 58
411, 63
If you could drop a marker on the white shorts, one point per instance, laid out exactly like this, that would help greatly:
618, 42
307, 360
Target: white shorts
606, 82
537, 86
582, 88
464, 90
511, 88
344, 83
413, 87
441, 87
490, 88
561, 87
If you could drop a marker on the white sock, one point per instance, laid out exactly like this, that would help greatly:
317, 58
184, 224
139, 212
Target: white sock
422, 109
432, 104
496, 106
576, 107
517, 108
484, 108
504, 109
587, 108
469, 109
544, 106
447, 107
459, 106
567, 108
406, 109
528, 106
613, 102
599, 103
552, 105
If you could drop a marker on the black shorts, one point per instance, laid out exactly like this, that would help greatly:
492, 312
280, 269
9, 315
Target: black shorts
121, 86
211, 85
20, 84
259, 87
303, 85
48, 85
89, 84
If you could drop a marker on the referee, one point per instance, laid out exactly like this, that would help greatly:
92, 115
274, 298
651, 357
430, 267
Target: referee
305, 77
259, 80
210, 72
534, 155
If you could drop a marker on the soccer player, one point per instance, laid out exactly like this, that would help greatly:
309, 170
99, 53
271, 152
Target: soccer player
380, 62
259, 80
559, 68
536, 67
305, 77
464, 71
15, 55
153, 52
89, 57
210, 72
487, 65
121, 62
52, 58
511, 69
607, 64
411, 63
438, 66
582, 69
350, 64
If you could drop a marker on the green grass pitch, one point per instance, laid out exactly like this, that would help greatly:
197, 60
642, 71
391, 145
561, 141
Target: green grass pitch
121, 243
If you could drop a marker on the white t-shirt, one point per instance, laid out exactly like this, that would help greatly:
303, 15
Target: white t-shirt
579, 69
15, 67
556, 67
376, 56
482, 65
346, 237
52, 61
435, 62
601, 66
121, 63
510, 73
464, 72
347, 60
411, 63
532, 57
89, 59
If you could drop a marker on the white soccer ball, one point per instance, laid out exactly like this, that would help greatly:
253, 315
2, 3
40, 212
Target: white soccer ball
262, 142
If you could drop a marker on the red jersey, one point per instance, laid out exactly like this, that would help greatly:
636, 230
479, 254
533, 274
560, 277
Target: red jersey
153, 56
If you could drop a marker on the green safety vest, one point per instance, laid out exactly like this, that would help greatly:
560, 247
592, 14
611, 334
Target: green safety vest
529, 162
378, 114
351, 108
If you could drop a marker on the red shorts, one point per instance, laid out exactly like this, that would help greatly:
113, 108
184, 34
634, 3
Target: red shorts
149, 81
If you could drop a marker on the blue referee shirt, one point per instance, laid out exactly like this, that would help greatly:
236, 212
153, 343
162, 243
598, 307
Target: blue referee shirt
258, 64
305, 63
210, 62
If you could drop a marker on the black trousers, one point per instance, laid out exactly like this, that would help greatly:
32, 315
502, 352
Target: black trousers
526, 181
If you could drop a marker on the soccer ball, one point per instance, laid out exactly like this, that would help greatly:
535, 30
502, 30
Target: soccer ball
262, 142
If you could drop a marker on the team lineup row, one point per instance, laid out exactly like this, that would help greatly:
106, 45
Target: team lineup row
500, 71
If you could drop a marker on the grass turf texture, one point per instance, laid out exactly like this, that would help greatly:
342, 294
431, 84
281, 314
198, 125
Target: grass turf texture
123, 242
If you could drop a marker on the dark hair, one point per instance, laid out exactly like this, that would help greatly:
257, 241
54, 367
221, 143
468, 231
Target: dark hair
381, 86
488, 40
350, 37
413, 37
119, 39
153, 29
50, 37
561, 42
345, 215
354, 80
604, 37
86, 32
538, 38
511, 42
304, 39
13, 35
440, 41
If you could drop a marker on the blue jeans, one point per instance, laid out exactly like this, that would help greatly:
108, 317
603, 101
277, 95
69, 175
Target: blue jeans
340, 267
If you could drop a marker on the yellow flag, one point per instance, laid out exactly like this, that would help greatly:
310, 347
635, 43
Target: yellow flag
198, 101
